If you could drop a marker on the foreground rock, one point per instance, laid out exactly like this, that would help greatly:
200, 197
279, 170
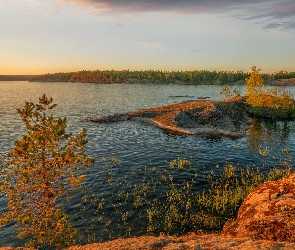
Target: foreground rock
190, 242
227, 118
267, 213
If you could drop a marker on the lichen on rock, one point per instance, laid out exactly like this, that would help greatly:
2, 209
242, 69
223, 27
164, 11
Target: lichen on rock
222, 118
267, 213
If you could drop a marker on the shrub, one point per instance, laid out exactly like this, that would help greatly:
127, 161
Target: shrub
227, 92
270, 103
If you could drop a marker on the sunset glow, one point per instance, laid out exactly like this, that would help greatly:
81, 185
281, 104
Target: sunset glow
72, 35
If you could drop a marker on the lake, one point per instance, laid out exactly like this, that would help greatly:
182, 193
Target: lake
124, 150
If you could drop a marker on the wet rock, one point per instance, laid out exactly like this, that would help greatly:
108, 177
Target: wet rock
224, 118
147, 113
182, 119
267, 213
110, 118
219, 117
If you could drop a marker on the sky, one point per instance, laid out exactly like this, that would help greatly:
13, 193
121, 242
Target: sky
48, 36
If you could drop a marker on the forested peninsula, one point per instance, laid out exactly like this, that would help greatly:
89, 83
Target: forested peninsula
158, 76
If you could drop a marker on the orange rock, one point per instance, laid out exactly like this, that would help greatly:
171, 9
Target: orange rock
268, 212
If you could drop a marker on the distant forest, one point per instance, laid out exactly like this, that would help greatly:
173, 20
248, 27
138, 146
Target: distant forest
152, 76
16, 77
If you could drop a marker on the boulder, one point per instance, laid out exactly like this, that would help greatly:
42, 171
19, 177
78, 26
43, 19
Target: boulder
268, 213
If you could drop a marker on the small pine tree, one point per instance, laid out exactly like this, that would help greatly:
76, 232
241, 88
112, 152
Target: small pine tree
227, 92
43, 168
254, 85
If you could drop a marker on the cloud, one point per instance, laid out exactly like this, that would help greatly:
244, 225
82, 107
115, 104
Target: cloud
271, 9
282, 9
152, 46
183, 6
273, 26
277, 15
246, 9
283, 25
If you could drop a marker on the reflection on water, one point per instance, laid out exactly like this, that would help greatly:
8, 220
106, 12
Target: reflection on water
268, 132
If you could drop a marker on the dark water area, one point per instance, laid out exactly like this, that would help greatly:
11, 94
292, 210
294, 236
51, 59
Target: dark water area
125, 152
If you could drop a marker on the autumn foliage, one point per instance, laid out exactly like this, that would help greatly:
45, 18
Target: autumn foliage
268, 103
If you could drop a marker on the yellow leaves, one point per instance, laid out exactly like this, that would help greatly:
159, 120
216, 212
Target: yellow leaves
274, 101
179, 163
286, 150
263, 151
254, 83
4, 220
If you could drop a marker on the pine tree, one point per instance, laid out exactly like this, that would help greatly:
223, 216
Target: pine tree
43, 169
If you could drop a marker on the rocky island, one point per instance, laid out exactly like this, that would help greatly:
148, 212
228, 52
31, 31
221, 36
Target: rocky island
229, 117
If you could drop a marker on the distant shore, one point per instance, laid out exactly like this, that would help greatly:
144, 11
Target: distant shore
188, 77
16, 77
191, 77
279, 82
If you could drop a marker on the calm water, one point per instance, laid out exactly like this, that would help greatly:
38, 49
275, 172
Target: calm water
136, 145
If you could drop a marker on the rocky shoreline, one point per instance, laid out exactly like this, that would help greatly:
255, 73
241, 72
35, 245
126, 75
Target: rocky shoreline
189, 242
229, 117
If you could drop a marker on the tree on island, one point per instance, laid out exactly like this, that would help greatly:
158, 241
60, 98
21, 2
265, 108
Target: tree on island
271, 103
43, 169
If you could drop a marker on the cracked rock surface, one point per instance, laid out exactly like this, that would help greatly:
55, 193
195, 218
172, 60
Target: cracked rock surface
268, 212
226, 118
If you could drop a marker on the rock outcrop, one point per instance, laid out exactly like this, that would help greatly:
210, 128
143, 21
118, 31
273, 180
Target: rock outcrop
189, 242
267, 213
229, 117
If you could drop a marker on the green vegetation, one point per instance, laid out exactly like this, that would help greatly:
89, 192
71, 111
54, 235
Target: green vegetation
228, 93
271, 103
157, 76
150, 76
42, 170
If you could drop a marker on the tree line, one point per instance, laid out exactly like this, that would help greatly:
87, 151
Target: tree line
16, 77
158, 76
